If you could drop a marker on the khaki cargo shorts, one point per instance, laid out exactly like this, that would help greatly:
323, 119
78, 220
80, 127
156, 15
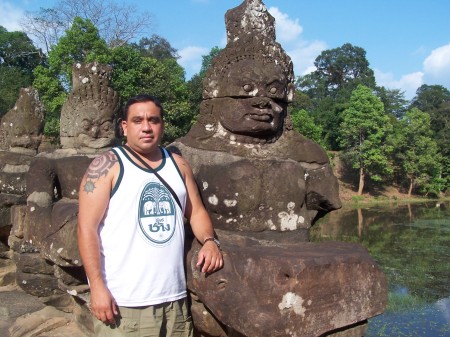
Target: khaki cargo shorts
169, 319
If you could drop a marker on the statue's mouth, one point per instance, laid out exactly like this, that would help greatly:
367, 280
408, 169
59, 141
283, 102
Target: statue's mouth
262, 117
96, 143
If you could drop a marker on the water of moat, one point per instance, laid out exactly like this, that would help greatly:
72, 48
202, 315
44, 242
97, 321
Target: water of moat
411, 243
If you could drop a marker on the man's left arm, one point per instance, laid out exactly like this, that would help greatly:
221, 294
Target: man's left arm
210, 257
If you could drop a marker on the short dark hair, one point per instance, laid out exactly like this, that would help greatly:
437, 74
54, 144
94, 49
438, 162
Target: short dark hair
141, 98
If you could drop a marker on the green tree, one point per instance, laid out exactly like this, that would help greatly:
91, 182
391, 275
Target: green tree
435, 100
17, 50
81, 43
11, 80
156, 47
18, 58
300, 101
395, 104
338, 72
416, 152
195, 84
336, 69
134, 74
305, 124
208, 59
52, 95
363, 131
430, 97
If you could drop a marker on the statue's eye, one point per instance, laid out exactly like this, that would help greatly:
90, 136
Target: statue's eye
248, 87
106, 126
273, 90
86, 125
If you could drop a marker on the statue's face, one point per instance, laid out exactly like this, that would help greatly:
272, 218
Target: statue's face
252, 99
101, 127
96, 130
255, 116
24, 130
89, 124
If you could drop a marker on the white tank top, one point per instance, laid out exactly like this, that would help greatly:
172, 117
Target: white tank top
142, 235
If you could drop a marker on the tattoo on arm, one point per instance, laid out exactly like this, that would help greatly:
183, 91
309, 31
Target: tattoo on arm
99, 167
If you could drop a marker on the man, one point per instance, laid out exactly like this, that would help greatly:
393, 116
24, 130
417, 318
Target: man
131, 232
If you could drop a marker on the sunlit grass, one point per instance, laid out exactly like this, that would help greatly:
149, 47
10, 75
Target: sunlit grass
403, 302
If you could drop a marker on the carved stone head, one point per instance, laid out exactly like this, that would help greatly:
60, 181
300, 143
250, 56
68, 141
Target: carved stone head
250, 83
22, 126
250, 96
87, 117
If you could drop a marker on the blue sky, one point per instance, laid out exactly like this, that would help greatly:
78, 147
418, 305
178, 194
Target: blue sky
407, 41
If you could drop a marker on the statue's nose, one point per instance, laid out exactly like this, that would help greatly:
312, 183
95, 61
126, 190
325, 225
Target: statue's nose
94, 131
261, 102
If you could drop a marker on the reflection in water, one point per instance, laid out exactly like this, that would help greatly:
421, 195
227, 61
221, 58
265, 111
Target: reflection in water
411, 244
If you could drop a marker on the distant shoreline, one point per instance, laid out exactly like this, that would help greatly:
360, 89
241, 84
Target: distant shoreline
388, 195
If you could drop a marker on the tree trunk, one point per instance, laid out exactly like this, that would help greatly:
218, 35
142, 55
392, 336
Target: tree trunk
411, 183
361, 181
360, 222
410, 213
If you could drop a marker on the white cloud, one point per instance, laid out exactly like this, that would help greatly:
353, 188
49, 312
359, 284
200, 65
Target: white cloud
436, 70
408, 83
10, 16
304, 54
437, 66
286, 28
191, 59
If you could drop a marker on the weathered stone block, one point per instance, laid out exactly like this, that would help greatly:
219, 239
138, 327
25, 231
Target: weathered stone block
12, 183
69, 173
19, 220
308, 289
32, 263
21, 245
38, 284
7, 272
53, 230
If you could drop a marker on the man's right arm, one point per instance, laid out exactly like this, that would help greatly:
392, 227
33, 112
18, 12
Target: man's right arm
94, 194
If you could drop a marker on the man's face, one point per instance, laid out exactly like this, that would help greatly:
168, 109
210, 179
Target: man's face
144, 127
252, 99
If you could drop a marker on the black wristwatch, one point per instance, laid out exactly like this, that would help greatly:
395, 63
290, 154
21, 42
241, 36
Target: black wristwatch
216, 241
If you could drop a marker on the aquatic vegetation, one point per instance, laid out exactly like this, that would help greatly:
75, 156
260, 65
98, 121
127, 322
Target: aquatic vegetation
410, 243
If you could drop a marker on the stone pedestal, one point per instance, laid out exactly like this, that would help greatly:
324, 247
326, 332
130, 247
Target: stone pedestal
270, 289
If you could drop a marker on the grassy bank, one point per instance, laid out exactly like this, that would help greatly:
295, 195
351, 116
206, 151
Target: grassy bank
387, 195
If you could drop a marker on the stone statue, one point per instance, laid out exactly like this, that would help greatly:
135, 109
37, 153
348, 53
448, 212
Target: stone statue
87, 117
20, 136
21, 127
264, 185
256, 173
